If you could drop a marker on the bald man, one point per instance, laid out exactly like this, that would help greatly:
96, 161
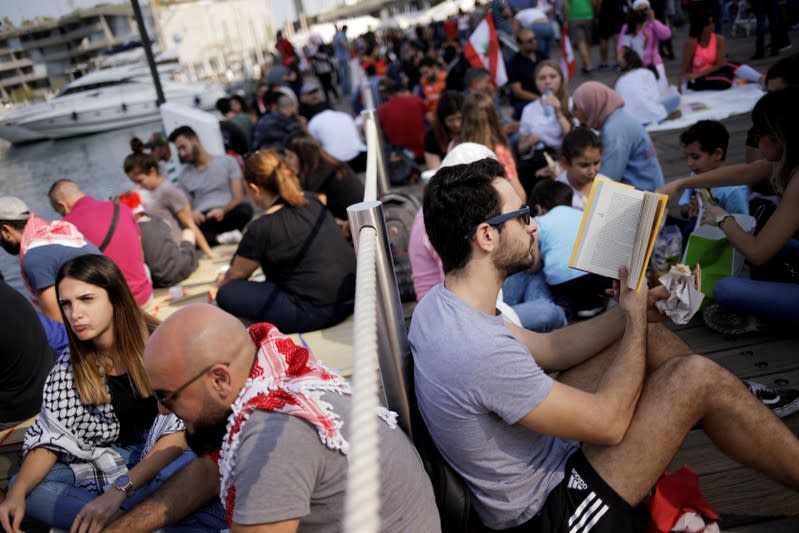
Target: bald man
288, 430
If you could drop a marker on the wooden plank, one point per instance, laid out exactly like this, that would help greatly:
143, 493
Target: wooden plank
765, 358
745, 493
705, 341
785, 525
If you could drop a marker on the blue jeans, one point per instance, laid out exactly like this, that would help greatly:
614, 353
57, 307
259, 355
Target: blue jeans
530, 297
56, 500
263, 301
671, 103
544, 35
344, 75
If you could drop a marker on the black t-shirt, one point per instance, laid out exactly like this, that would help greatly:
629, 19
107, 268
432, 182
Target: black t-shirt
135, 414
521, 69
431, 145
302, 250
25, 357
339, 183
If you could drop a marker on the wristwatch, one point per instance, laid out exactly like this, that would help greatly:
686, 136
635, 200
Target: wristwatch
722, 217
125, 484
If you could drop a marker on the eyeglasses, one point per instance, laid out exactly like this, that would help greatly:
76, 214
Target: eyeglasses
167, 397
527, 41
523, 214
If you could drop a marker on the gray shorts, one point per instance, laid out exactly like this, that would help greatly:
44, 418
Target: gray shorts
580, 31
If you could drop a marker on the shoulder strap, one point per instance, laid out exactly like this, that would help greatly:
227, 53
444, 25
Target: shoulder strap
111, 229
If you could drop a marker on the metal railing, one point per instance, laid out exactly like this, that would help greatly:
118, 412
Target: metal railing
380, 343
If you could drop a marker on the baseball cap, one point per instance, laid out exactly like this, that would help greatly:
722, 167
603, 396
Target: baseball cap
465, 153
309, 87
640, 4
12, 208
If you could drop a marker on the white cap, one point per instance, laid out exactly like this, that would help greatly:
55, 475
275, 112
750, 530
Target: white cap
465, 153
640, 4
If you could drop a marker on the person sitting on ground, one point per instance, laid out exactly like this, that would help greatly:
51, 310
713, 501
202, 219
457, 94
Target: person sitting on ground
98, 437
165, 201
581, 157
42, 247
638, 86
311, 101
628, 154
643, 33
401, 117
704, 146
240, 115
544, 121
158, 145
109, 226
333, 181
301, 448
339, 136
521, 69
213, 185
481, 125
590, 445
274, 126
445, 128
704, 58
170, 261
309, 266
26, 361
233, 137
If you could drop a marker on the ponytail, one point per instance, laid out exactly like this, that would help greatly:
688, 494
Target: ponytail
266, 170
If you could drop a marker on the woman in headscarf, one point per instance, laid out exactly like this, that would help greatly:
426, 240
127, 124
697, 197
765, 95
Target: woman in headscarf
628, 154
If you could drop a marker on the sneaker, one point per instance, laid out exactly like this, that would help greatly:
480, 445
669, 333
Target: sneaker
617, 68
590, 313
587, 71
603, 66
728, 322
229, 237
782, 402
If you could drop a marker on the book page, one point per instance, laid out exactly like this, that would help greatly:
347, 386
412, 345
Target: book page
642, 239
611, 223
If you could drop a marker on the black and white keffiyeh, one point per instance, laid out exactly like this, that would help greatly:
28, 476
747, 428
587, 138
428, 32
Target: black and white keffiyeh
82, 434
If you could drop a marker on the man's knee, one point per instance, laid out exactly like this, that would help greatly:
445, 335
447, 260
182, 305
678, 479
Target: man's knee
690, 374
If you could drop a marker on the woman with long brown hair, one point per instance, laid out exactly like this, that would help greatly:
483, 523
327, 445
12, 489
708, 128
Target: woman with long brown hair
309, 267
481, 125
99, 436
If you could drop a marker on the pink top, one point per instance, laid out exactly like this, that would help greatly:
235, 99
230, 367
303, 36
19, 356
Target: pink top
426, 267
705, 56
93, 218
505, 157
653, 31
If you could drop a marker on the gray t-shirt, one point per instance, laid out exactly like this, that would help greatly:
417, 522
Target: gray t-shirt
210, 187
283, 472
474, 382
164, 203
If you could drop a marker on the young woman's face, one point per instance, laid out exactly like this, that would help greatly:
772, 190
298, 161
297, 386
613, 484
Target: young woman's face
292, 160
453, 123
770, 147
87, 309
145, 180
548, 78
582, 170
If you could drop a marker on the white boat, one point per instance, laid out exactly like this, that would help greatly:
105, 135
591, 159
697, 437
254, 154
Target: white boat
103, 100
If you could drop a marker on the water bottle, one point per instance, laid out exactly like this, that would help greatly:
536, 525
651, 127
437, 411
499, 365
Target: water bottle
547, 107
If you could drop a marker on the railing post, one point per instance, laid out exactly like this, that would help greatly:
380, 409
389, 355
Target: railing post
393, 347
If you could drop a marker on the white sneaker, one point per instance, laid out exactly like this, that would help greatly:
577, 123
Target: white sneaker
229, 237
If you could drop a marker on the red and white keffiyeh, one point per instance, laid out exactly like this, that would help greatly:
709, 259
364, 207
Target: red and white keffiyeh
288, 379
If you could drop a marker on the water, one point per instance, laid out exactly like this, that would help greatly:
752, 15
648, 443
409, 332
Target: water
93, 161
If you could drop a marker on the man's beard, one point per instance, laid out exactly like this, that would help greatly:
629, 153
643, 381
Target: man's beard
207, 436
511, 262
10, 247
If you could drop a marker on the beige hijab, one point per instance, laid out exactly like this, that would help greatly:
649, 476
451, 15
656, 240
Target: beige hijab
596, 102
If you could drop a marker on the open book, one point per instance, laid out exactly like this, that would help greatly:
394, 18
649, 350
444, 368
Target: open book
619, 227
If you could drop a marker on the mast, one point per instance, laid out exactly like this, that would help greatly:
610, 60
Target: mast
145, 39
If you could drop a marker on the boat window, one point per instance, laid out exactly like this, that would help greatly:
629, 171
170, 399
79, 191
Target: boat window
89, 87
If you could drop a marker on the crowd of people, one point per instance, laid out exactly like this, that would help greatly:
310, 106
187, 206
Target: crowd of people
190, 424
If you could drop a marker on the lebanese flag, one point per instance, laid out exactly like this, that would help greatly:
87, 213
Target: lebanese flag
482, 51
568, 64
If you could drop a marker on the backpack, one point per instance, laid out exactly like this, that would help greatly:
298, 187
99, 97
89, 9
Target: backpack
401, 166
399, 210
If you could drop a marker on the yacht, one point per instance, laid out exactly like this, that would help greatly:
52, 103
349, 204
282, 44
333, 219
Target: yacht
103, 100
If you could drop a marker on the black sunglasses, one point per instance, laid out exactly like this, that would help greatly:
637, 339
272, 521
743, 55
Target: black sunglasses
167, 397
523, 214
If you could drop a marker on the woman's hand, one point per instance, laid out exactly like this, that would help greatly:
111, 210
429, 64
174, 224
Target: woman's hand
97, 513
551, 100
672, 188
711, 214
12, 511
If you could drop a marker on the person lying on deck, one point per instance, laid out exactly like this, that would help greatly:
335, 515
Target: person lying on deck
590, 444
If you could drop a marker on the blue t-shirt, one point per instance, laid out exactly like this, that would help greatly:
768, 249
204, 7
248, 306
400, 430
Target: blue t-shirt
558, 230
732, 198
340, 46
474, 382
628, 154
40, 265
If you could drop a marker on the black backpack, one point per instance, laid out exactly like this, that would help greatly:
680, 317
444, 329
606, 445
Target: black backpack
401, 166
399, 210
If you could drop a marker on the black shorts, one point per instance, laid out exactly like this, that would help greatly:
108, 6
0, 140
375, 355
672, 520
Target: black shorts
583, 503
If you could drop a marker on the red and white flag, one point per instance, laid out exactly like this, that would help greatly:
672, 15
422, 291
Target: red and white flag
482, 51
568, 64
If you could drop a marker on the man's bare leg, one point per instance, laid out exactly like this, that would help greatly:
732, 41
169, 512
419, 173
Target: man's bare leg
678, 394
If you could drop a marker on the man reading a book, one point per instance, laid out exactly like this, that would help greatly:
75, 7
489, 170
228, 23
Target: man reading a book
581, 451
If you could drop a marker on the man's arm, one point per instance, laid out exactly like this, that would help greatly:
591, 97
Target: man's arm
287, 526
237, 197
49, 304
191, 488
520, 93
601, 417
741, 174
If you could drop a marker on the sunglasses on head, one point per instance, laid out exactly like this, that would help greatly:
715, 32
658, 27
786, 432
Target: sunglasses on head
522, 214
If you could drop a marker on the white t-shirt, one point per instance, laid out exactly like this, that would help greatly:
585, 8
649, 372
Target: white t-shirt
578, 198
337, 133
536, 120
641, 94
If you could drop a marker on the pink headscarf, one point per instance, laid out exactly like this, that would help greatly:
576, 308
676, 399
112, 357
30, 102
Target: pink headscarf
597, 102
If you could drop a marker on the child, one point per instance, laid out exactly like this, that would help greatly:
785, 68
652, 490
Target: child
581, 153
704, 146
558, 224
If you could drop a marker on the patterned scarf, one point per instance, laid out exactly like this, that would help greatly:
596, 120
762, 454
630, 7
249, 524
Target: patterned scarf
80, 434
40, 232
288, 379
